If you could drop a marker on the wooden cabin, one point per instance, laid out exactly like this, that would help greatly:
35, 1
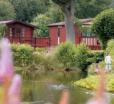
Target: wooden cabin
17, 31
57, 34
20, 32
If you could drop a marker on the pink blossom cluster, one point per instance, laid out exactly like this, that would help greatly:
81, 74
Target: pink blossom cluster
10, 81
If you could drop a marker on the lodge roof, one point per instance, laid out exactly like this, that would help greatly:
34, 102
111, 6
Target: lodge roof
16, 21
87, 21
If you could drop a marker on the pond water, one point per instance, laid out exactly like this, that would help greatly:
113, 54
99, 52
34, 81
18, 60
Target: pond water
35, 92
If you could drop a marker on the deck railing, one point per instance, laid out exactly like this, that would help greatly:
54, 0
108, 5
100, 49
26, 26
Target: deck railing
91, 41
35, 42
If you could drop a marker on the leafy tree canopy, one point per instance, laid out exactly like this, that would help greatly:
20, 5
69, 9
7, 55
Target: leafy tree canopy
26, 10
103, 26
41, 21
61, 2
6, 10
55, 13
90, 8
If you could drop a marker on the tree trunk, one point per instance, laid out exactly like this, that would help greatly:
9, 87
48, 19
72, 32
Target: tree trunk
69, 21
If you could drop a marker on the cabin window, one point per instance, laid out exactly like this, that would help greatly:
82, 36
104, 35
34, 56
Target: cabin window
18, 32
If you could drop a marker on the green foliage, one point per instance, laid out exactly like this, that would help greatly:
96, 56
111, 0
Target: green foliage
2, 30
91, 82
42, 21
55, 13
6, 10
81, 56
71, 56
92, 67
40, 50
86, 31
61, 2
41, 65
90, 8
95, 56
23, 54
65, 54
110, 50
110, 45
103, 26
26, 10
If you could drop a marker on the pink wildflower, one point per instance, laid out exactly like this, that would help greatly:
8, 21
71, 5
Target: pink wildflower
65, 97
14, 90
99, 97
6, 63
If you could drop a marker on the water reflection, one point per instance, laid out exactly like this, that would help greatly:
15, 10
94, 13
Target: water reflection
57, 86
50, 93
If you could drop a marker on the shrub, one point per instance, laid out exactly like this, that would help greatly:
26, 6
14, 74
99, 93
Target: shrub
110, 45
70, 56
41, 64
23, 54
81, 57
91, 82
103, 26
65, 54
95, 56
41, 60
40, 50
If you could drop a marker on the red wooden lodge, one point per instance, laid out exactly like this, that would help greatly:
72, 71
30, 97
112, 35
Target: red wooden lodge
57, 34
20, 32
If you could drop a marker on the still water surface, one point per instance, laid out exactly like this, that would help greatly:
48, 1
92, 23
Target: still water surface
35, 92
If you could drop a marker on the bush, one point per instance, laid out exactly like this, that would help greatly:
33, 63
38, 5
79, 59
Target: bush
91, 82
103, 26
95, 56
72, 57
65, 54
110, 45
23, 54
81, 57
43, 61
110, 48
41, 65
40, 50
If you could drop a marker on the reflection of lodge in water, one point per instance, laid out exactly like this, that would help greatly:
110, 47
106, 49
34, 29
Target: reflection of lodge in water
58, 35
